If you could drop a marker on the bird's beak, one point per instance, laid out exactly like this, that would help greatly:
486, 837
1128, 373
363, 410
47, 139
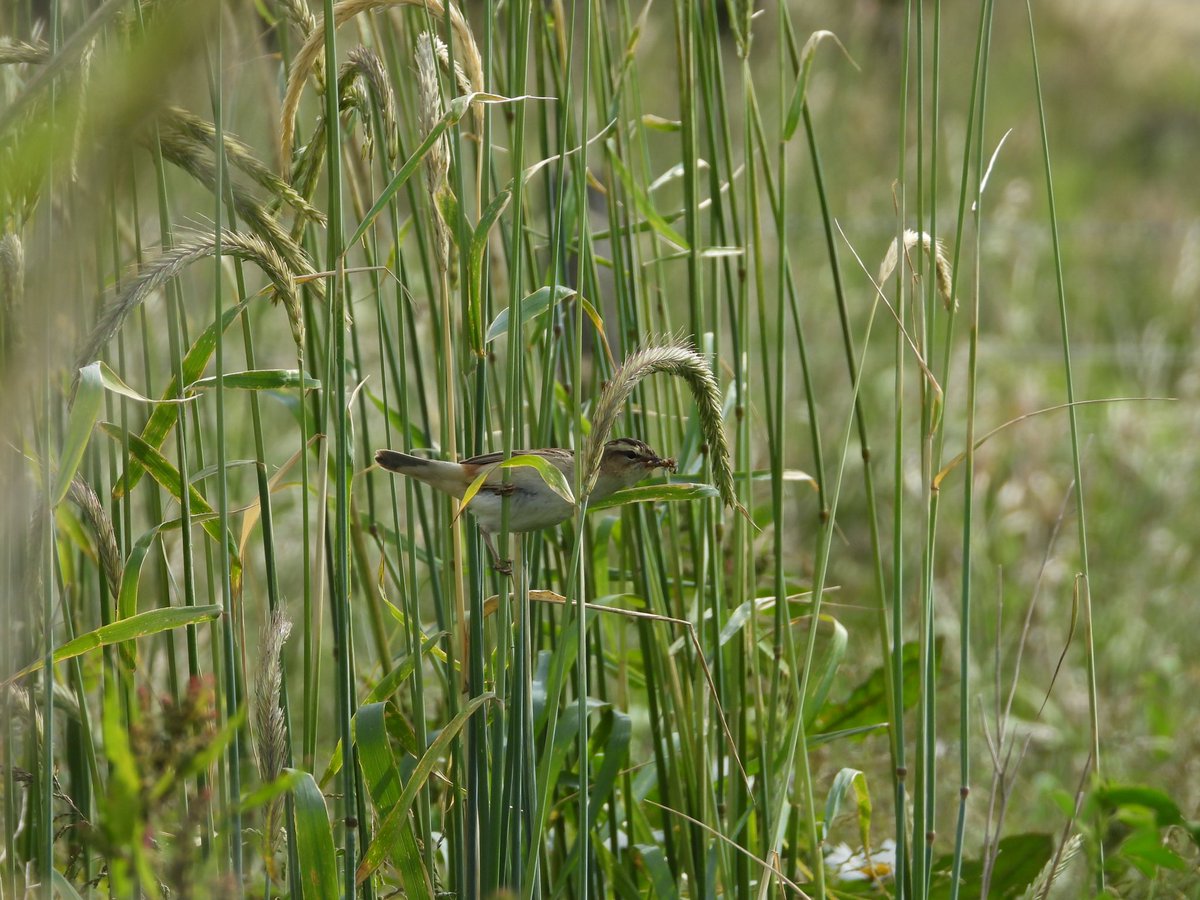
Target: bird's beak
662, 463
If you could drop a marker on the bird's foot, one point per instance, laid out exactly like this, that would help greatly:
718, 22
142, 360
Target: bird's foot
499, 563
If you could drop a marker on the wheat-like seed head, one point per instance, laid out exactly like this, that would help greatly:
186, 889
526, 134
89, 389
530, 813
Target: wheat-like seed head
429, 109
302, 17
270, 729
183, 148
370, 68
13, 52
12, 286
460, 74
313, 47
86, 58
937, 255
190, 136
82, 495
158, 272
681, 360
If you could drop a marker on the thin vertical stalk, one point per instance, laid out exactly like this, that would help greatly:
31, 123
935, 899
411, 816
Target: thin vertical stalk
229, 618
1076, 455
973, 153
45, 793
904, 884
336, 408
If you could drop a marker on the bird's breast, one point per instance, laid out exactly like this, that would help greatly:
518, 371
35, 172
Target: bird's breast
527, 510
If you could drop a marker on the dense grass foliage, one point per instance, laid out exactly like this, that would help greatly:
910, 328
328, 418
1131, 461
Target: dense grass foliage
878, 633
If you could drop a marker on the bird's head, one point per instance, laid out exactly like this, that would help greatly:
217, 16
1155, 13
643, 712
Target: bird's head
627, 461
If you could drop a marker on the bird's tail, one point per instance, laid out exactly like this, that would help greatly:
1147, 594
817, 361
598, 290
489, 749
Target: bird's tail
447, 477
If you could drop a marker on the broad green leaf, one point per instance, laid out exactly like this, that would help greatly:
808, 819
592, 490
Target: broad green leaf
845, 781
868, 702
89, 399
1112, 797
383, 784
658, 123
611, 736
1146, 851
127, 599
375, 756
384, 689
479, 239
478, 249
168, 476
112, 381
551, 474
530, 306
63, 887
1019, 862
121, 814
260, 380
265, 793
653, 492
389, 828
415, 436
834, 651
314, 839
164, 417
654, 861
800, 92
144, 624
642, 202
130, 576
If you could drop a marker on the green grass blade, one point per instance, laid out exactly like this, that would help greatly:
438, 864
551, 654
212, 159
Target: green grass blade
164, 417
89, 399
314, 838
397, 818
154, 621
260, 380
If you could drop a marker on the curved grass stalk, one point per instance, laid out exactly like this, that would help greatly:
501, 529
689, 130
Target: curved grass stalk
308, 54
679, 359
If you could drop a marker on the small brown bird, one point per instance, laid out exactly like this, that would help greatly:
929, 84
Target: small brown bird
532, 504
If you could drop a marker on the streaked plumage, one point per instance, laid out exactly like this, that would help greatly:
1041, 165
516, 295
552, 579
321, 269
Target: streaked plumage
532, 504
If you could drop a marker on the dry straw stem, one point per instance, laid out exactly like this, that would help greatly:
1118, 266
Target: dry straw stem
82, 495
314, 46
675, 358
158, 272
937, 254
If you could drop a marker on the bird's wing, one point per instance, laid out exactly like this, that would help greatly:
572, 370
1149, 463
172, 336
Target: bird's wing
523, 477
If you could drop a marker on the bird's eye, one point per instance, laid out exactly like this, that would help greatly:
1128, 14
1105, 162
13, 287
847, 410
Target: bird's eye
631, 454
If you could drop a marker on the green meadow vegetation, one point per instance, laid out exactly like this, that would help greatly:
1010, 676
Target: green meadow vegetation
906, 290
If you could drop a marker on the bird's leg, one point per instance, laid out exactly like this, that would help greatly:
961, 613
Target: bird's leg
503, 566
